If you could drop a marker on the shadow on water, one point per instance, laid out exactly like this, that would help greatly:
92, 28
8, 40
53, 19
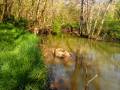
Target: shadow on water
93, 66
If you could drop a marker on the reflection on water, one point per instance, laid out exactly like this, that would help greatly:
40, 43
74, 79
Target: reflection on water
94, 66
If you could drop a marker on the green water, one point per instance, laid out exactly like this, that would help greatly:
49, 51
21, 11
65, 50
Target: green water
95, 65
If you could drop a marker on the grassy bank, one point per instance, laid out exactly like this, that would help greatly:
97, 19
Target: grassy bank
21, 64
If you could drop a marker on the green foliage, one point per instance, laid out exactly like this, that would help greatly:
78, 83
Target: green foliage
117, 11
111, 29
56, 31
75, 26
66, 26
21, 22
73, 10
69, 25
57, 22
21, 64
7, 26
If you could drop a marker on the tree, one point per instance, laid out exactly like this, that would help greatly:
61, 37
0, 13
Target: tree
95, 24
89, 16
37, 10
81, 18
6, 9
103, 18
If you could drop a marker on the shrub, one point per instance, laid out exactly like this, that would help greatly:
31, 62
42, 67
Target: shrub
111, 29
57, 22
21, 22
56, 31
69, 25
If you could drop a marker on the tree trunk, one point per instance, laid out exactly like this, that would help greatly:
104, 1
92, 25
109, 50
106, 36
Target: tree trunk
19, 6
90, 20
6, 10
5, 13
89, 17
95, 23
102, 22
3, 10
32, 13
42, 13
37, 11
81, 18
10, 7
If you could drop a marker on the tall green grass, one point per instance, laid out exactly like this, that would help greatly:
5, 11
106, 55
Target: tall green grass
21, 64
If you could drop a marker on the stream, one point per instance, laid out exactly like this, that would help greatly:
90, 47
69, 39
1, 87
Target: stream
94, 65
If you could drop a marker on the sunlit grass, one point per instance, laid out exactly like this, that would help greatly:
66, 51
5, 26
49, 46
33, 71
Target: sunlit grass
21, 64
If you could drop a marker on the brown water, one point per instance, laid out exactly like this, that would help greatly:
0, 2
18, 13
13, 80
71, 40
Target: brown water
95, 65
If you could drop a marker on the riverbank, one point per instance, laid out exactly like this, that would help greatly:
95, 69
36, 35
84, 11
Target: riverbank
76, 33
21, 63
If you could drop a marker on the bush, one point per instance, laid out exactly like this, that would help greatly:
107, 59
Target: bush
111, 29
57, 22
56, 31
21, 64
21, 22
69, 25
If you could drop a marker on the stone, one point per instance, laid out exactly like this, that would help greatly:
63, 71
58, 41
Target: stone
67, 54
59, 53
62, 53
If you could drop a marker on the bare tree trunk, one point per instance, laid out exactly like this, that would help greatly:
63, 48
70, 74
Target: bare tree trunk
32, 13
42, 13
37, 11
95, 22
89, 17
3, 10
90, 20
19, 6
101, 24
10, 7
81, 18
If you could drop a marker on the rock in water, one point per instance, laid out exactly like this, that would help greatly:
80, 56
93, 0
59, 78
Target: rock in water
59, 53
67, 54
62, 53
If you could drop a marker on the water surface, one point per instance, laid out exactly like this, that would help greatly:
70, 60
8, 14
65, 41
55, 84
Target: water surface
95, 65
